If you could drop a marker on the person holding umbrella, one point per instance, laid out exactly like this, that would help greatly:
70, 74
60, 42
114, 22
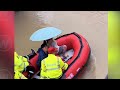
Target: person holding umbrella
43, 53
47, 34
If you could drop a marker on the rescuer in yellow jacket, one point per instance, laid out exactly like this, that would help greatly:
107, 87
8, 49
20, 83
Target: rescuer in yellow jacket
20, 62
51, 67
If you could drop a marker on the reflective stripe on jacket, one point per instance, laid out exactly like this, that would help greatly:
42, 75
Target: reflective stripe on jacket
51, 67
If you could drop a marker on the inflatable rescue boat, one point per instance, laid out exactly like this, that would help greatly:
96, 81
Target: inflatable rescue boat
78, 50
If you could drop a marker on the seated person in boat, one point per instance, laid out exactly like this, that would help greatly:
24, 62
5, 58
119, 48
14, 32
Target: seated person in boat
59, 49
43, 53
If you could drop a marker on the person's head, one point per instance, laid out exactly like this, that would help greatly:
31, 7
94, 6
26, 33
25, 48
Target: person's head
49, 41
44, 46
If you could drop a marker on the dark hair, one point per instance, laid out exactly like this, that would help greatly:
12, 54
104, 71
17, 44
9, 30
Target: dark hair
48, 40
44, 44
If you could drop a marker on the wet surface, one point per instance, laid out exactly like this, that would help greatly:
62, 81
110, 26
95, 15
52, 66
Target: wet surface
90, 24
89, 70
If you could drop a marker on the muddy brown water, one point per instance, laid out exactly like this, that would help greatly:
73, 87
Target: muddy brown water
90, 24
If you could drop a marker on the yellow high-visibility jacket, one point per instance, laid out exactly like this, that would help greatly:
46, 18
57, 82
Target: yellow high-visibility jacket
19, 75
20, 62
51, 67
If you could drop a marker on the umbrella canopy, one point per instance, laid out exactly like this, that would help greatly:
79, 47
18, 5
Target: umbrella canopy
45, 34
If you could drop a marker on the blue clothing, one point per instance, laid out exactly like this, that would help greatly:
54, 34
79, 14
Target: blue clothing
42, 55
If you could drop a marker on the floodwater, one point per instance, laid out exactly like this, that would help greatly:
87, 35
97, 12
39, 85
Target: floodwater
92, 25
